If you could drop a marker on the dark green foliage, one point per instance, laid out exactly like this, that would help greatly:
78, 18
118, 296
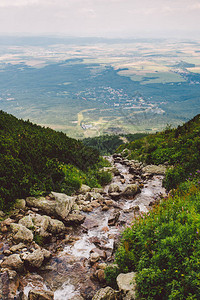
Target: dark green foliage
32, 160
179, 147
107, 144
163, 247
104, 177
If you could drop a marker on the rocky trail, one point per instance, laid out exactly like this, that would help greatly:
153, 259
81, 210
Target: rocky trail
58, 247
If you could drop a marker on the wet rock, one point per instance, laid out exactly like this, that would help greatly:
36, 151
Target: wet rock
95, 203
13, 262
106, 293
84, 189
133, 208
109, 202
88, 208
155, 170
40, 295
9, 284
113, 188
115, 196
126, 284
17, 247
94, 257
98, 190
102, 254
22, 234
46, 254
100, 275
34, 259
77, 297
113, 218
105, 208
74, 219
95, 240
91, 222
55, 226
27, 222
130, 190
7, 252
112, 170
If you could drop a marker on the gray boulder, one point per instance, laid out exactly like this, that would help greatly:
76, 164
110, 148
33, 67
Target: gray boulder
17, 247
64, 204
27, 222
34, 259
73, 219
46, 206
113, 188
58, 206
127, 284
20, 204
130, 190
40, 295
106, 293
155, 170
21, 233
84, 189
13, 262
55, 226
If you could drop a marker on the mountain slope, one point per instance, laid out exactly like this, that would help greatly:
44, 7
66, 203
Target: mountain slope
178, 147
33, 158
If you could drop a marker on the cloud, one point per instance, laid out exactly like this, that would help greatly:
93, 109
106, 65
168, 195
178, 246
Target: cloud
17, 3
98, 16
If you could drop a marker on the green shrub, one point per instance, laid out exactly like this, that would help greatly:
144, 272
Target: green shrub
179, 147
104, 177
163, 247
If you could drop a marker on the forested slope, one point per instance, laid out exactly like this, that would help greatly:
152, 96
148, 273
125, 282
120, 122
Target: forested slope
34, 159
107, 144
179, 147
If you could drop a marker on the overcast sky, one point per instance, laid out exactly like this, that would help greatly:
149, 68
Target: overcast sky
117, 18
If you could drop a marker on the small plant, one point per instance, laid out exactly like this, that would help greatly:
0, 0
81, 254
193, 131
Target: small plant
38, 239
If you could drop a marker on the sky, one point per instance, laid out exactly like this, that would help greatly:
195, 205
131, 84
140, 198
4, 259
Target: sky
105, 18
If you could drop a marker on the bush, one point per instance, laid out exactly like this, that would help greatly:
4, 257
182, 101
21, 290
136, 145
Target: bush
179, 147
163, 247
104, 177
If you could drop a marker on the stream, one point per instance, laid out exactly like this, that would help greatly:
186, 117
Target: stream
71, 272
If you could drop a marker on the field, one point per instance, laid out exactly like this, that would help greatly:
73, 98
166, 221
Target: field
87, 88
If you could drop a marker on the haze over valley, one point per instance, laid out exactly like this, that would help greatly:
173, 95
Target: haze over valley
90, 86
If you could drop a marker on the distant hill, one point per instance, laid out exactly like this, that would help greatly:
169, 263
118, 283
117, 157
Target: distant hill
179, 147
35, 159
107, 144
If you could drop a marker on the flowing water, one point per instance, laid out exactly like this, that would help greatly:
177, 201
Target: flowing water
70, 270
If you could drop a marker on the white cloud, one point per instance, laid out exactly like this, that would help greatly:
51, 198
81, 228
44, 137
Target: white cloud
17, 3
98, 16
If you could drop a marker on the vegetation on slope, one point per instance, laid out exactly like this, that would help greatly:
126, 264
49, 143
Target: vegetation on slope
107, 144
163, 247
179, 147
34, 160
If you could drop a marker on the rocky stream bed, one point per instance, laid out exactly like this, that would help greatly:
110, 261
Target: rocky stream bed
59, 246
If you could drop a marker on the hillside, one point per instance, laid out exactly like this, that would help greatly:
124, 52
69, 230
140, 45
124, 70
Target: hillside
179, 147
34, 160
108, 144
